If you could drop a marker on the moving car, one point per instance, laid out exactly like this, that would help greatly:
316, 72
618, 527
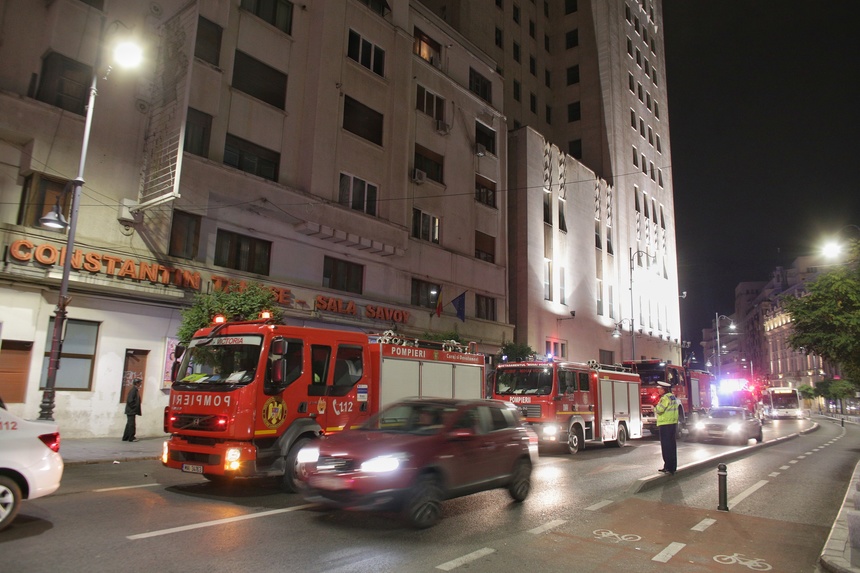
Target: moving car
416, 453
731, 423
30, 462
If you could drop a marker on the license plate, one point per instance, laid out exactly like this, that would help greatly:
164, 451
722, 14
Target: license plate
191, 468
328, 482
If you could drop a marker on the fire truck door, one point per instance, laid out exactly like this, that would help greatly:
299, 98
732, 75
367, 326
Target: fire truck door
343, 403
607, 409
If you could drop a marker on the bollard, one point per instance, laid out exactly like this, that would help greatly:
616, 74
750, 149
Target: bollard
721, 479
843, 422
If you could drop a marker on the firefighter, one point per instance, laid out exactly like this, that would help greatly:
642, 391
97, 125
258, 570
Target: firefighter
667, 426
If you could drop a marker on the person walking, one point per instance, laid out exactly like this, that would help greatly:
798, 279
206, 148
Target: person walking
667, 426
132, 410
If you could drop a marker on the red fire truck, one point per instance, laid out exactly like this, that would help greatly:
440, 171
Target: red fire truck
693, 388
570, 403
248, 395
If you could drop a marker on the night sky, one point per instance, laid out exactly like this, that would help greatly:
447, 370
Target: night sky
763, 112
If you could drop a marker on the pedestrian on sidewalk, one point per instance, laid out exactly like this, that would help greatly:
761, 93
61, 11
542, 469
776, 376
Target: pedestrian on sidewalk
667, 426
132, 410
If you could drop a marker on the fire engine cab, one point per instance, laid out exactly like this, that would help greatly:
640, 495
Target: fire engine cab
570, 403
248, 395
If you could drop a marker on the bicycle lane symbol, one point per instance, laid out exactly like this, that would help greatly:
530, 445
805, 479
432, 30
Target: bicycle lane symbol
614, 537
757, 564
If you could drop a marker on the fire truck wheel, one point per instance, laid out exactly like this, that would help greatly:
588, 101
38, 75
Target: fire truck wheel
424, 508
622, 437
575, 441
521, 480
294, 475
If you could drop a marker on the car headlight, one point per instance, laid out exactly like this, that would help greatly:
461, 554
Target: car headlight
734, 427
383, 464
699, 426
308, 455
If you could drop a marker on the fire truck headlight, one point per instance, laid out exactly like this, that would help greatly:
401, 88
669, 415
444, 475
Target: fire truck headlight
308, 455
233, 455
550, 431
383, 464
735, 427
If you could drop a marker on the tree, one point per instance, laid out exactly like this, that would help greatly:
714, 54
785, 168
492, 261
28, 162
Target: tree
515, 352
841, 389
239, 301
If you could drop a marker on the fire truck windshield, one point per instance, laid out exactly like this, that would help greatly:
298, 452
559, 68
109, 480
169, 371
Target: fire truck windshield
650, 376
526, 380
221, 360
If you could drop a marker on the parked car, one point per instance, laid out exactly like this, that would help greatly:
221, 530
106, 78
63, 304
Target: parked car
416, 453
731, 423
30, 462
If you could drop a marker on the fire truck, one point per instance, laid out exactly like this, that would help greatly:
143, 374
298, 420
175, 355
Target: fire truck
571, 404
694, 390
246, 396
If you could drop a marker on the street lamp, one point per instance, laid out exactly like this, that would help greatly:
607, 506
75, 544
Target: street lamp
833, 249
653, 259
717, 317
125, 55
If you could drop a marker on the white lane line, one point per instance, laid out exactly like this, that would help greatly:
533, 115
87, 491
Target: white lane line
453, 564
669, 552
784, 467
792, 461
704, 524
598, 505
216, 522
547, 526
746, 493
125, 487
773, 474
801, 457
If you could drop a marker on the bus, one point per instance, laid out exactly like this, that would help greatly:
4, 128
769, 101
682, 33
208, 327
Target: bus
782, 402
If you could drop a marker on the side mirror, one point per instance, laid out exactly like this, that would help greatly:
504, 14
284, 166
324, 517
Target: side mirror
279, 347
179, 351
174, 371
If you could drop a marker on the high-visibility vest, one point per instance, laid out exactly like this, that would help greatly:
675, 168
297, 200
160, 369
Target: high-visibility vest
667, 409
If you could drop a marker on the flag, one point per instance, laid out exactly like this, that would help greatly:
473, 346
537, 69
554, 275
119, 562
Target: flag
460, 305
439, 302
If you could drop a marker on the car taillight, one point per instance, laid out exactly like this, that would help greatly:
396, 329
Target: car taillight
51, 440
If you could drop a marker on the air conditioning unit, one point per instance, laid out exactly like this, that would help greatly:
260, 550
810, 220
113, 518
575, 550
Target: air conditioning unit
442, 127
418, 176
480, 150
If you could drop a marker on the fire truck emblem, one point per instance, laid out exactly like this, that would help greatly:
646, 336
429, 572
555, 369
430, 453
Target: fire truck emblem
274, 412
321, 407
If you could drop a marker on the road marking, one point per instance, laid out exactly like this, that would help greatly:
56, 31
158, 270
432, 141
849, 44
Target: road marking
669, 552
784, 467
216, 522
704, 524
773, 474
792, 461
599, 505
746, 493
104, 489
465, 559
547, 526
802, 457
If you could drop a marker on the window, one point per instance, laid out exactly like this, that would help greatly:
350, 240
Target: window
425, 294
562, 293
533, 103
631, 83
278, 13
546, 42
343, 275
629, 47
572, 75
599, 286
485, 307
532, 66
485, 191
378, 6
251, 158
368, 55
198, 129
570, 6
425, 226
358, 194
517, 90
430, 163
598, 242
516, 52
659, 146
562, 222
77, 355
574, 111
485, 136
641, 127
207, 46
242, 252
574, 148
485, 247
362, 120
571, 39
480, 86
547, 206
430, 103
547, 76
548, 115
516, 14
632, 119
532, 28
184, 235
41, 194
65, 83
500, 42
259, 80
427, 48
547, 279
635, 157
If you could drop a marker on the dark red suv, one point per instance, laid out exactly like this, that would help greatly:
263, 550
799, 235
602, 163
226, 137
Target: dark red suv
417, 452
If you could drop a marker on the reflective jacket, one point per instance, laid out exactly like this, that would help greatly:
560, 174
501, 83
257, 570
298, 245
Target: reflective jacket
667, 409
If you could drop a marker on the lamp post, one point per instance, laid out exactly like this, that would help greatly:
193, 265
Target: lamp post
632, 314
717, 317
126, 55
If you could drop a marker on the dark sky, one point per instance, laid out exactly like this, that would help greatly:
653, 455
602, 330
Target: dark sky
763, 112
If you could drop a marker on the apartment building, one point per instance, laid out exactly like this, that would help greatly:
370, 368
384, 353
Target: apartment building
349, 154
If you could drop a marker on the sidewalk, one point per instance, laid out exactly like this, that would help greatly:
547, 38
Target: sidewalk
835, 558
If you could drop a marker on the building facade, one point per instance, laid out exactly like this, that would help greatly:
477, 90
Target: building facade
348, 154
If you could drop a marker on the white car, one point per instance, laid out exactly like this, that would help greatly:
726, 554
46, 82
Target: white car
30, 462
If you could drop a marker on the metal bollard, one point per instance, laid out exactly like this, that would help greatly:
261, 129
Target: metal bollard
721, 479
